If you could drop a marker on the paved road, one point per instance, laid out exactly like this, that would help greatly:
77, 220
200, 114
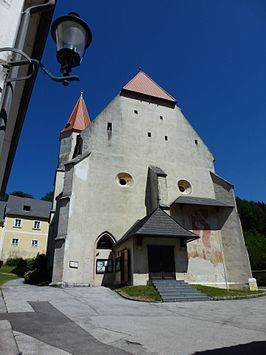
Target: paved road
83, 320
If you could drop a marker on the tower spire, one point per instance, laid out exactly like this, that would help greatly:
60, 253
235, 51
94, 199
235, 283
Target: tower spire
79, 118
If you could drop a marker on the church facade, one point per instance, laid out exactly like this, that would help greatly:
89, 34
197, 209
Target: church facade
137, 198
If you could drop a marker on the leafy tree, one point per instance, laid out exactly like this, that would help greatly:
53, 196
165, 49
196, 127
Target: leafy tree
21, 194
48, 196
253, 219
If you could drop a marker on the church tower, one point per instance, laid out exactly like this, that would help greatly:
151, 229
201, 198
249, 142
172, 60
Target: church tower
70, 146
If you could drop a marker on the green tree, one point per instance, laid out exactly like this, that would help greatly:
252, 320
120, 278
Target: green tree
253, 219
21, 194
48, 196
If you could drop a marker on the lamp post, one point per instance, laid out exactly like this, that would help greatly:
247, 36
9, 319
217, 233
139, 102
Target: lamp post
72, 36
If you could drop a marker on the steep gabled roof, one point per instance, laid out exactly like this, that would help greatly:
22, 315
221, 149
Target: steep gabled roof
79, 118
143, 84
158, 224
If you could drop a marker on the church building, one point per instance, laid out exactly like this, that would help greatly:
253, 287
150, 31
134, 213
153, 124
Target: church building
137, 198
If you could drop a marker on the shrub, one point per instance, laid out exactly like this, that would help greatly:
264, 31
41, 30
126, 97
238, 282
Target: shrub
38, 275
13, 261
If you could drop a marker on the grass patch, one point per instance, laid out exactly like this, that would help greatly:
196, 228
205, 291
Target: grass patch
220, 292
6, 277
139, 293
6, 269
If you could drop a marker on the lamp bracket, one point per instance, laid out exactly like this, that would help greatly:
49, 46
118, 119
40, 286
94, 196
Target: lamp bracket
33, 63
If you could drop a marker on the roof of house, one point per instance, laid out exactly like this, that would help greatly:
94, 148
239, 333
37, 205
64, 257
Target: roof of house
158, 224
22, 206
79, 118
189, 200
143, 84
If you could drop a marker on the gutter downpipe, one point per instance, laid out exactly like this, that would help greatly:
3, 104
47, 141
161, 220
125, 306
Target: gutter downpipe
8, 88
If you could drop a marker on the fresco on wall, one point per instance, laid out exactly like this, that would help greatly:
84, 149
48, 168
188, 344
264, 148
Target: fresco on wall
208, 246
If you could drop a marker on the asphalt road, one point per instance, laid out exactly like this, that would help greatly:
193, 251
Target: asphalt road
83, 320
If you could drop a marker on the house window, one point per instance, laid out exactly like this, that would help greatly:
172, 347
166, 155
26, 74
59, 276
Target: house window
36, 225
26, 208
17, 223
136, 112
149, 134
34, 243
161, 117
166, 138
14, 242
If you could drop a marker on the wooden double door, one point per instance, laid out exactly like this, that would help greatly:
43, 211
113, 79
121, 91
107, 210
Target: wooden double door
161, 259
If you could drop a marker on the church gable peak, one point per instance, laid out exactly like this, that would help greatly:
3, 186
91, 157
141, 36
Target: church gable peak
79, 118
142, 84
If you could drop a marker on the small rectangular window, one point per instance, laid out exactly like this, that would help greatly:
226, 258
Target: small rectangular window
196, 141
34, 243
17, 223
14, 242
136, 112
166, 138
109, 126
26, 208
36, 225
149, 134
161, 117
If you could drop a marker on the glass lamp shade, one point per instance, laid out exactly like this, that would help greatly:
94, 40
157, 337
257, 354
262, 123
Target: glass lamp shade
72, 37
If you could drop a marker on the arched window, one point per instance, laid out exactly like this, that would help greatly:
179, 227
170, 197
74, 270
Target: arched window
105, 243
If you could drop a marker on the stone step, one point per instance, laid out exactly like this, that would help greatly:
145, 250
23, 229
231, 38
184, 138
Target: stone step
185, 299
178, 291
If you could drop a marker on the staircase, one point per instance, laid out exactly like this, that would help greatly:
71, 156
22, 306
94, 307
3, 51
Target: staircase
178, 291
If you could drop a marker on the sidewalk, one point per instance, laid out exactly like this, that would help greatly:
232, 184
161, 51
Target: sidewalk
84, 320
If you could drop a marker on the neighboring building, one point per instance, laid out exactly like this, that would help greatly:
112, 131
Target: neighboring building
137, 198
24, 25
24, 224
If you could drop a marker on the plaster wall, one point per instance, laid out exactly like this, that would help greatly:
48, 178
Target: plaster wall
98, 202
25, 235
235, 252
205, 255
10, 14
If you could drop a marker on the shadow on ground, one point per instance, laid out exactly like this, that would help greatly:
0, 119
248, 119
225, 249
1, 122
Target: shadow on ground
256, 347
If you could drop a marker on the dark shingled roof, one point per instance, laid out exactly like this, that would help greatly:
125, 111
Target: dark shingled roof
38, 208
158, 224
188, 200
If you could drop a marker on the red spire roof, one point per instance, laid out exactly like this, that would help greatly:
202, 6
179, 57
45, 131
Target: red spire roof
143, 84
79, 118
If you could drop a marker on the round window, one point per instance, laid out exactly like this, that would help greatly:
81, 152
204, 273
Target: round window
184, 186
124, 179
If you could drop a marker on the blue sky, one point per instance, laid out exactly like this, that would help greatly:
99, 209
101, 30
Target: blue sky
209, 54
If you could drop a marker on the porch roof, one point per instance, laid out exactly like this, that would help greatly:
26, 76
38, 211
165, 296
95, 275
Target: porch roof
158, 224
202, 201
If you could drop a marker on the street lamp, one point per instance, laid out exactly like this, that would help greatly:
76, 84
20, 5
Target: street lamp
72, 36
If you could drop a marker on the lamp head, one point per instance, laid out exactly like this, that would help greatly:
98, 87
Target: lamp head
72, 36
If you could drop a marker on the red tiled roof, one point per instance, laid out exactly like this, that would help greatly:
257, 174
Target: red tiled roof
79, 118
143, 84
